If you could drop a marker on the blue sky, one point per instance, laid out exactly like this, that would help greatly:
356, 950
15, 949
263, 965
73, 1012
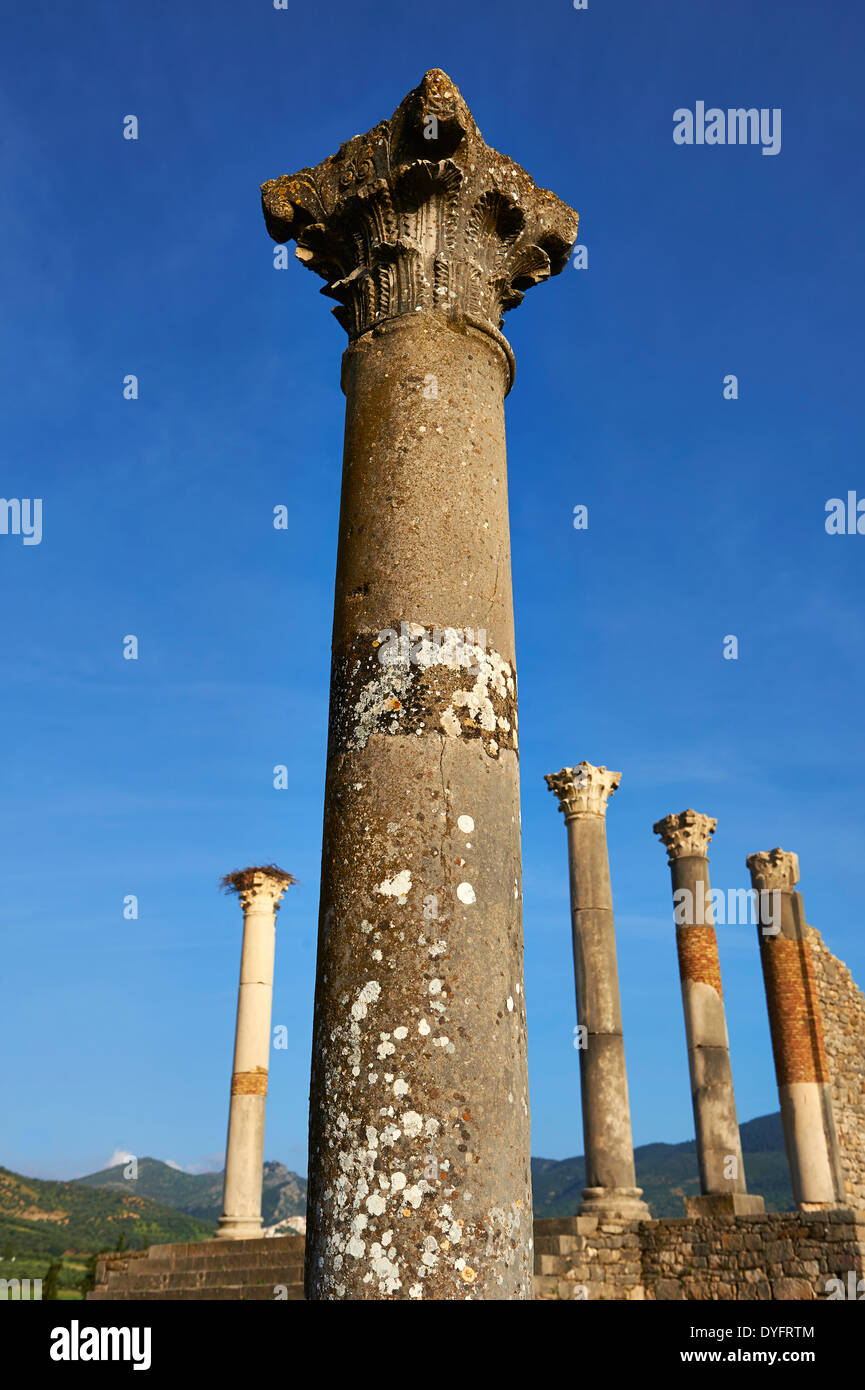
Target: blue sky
706, 518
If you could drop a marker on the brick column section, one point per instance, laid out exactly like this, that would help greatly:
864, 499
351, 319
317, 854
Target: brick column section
686, 836
796, 1026
611, 1189
419, 1179
260, 890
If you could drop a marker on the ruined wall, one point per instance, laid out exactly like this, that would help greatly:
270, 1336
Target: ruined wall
842, 1005
785, 1255
782, 1255
576, 1253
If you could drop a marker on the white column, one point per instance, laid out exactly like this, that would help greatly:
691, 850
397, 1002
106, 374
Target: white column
260, 891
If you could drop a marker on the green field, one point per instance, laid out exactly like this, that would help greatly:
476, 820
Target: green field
41, 1222
72, 1271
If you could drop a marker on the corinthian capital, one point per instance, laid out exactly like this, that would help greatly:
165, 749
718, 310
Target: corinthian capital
420, 213
583, 790
773, 869
684, 833
260, 887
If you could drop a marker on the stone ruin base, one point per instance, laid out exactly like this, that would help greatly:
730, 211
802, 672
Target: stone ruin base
264, 1269
785, 1255
778, 1255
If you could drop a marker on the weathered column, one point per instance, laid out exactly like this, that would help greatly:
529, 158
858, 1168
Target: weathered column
719, 1146
796, 1026
260, 890
611, 1189
419, 1183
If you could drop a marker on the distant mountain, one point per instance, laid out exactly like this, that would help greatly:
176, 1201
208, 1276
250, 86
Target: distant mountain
51, 1218
668, 1172
200, 1194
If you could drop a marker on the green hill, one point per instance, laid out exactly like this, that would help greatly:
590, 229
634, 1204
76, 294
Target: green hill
54, 1218
200, 1194
668, 1172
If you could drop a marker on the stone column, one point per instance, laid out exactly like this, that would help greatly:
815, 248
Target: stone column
719, 1146
419, 1183
260, 891
611, 1189
796, 1026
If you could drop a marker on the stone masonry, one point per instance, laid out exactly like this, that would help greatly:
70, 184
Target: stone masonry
258, 1270
842, 1005
783, 1255
786, 1255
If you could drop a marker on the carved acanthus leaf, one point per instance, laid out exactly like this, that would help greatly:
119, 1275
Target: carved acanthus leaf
421, 214
686, 833
583, 790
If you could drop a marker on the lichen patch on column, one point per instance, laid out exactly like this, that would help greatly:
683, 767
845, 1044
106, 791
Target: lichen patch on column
463, 700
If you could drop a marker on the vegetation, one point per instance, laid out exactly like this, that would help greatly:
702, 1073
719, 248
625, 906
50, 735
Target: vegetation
50, 1219
69, 1273
56, 1231
51, 1281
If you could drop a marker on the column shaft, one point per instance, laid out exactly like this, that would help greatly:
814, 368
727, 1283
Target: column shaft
719, 1146
686, 836
611, 1188
260, 893
419, 1118
603, 1074
796, 1027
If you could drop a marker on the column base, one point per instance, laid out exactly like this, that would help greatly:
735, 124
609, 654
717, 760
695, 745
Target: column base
614, 1204
724, 1204
238, 1228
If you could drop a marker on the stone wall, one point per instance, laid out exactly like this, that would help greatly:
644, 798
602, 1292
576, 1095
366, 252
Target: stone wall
842, 1005
583, 1257
783, 1255
786, 1255
265, 1269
